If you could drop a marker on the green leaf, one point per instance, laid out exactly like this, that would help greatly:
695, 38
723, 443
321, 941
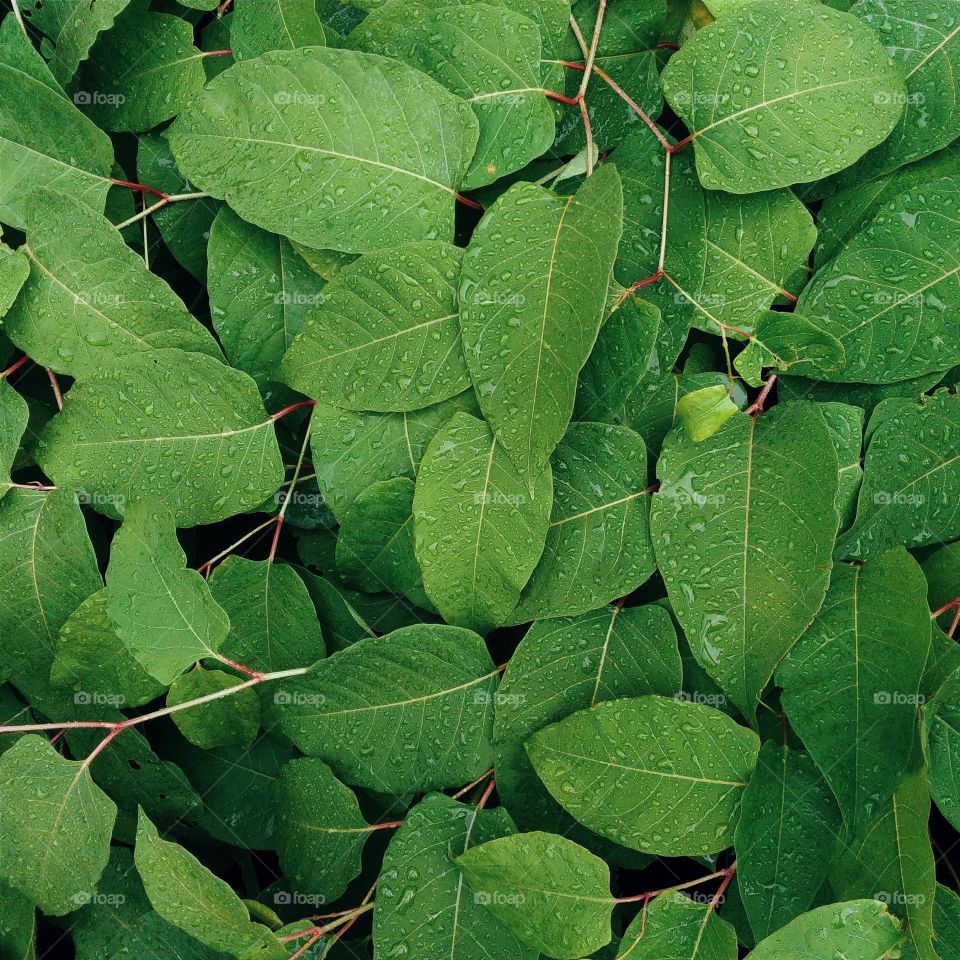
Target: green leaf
17, 925
232, 720
92, 660
621, 357
342, 625
845, 423
385, 335
273, 623
163, 612
352, 450
654, 774
259, 26
428, 687
260, 291
14, 270
744, 573
186, 894
786, 838
141, 72
179, 428
532, 298
47, 569
371, 192
81, 315
442, 918
703, 412
478, 530
864, 656
892, 861
598, 541
942, 570
891, 294
375, 544
858, 930
910, 477
946, 918
184, 226
783, 340
801, 65
14, 415
927, 50
55, 846
70, 28
547, 890
320, 830
942, 723
677, 928
490, 56
566, 665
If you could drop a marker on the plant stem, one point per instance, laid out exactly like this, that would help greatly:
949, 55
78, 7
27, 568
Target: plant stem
204, 569
650, 894
162, 202
13, 368
471, 785
19, 17
280, 414
55, 386
756, 408
290, 486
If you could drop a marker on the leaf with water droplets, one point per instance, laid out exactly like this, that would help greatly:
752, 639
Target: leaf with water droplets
759, 90
384, 334
163, 612
784, 340
429, 688
532, 298
231, 720
259, 26
56, 825
550, 892
658, 775
864, 656
478, 530
703, 412
319, 170
743, 528
180, 428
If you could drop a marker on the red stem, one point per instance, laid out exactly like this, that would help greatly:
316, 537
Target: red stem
467, 202
54, 383
13, 368
217, 53
292, 407
756, 408
482, 802
140, 188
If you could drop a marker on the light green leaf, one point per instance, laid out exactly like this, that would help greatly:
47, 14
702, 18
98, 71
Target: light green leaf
532, 298
375, 542
910, 478
942, 722
385, 335
185, 893
783, 340
786, 838
550, 892
478, 531
45, 141
621, 356
47, 569
273, 623
566, 665
863, 657
352, 450
70, 28
443, 918
320, 830
942, 570
56, 846
892, 294
163, 612
14, 414
490, 56
143, 71
703, 412
14, 270
355, 190
176, 427
858, 930
845, 423
17, 925
658, 775
677, 928
892, 861
259, 26
232, 720
598, 541
801, 65
185, 226
428, 687
260, 290
925, 45
93, 661
745, 576
90, 300
946, 919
